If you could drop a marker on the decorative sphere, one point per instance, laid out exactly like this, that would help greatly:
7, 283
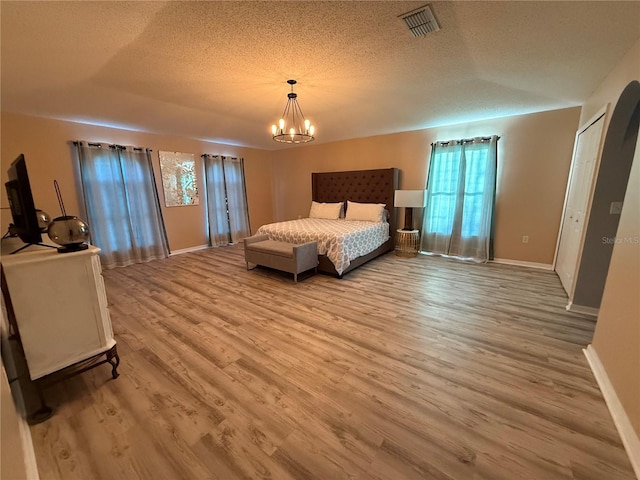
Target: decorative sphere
70, 232
43, 220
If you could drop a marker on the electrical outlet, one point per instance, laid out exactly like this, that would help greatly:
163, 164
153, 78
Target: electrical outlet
525, 239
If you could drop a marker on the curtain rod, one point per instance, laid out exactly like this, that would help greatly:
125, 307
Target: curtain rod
114, 146
466, 140
221, 156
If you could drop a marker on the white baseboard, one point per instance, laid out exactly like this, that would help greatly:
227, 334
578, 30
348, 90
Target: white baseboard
30, 463
626, 431
187, 250
572, 307
27, 451
519, 263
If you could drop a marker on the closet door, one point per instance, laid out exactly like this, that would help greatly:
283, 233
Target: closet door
579, 191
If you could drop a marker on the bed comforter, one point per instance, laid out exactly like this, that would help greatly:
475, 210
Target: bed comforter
340, 240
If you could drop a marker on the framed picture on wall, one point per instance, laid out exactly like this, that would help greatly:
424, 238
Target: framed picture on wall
179, 180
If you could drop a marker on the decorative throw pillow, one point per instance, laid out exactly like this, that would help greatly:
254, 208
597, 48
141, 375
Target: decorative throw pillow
329, 211
370, 212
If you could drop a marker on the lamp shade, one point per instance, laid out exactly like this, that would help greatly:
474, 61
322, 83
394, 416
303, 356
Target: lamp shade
410, 198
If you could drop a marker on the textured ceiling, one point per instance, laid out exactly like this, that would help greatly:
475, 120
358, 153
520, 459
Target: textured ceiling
217, 70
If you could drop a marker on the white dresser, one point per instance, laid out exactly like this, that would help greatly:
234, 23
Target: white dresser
60, 308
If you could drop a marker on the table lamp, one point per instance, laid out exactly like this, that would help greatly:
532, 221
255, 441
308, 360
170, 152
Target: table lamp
410, 199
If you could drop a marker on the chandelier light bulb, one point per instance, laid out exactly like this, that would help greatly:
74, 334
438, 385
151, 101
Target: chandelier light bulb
281, 124
274, 129
306, 125
292, 132
311, 130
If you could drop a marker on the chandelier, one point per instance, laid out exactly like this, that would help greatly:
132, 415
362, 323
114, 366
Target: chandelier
292, 126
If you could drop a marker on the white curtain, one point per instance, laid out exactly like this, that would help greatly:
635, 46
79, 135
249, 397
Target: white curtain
458, 218
226, 199
121, 203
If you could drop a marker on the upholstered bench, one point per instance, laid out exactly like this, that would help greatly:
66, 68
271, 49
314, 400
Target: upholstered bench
287, 257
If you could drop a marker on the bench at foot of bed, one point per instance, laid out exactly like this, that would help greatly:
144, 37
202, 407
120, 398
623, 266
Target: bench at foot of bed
286, 257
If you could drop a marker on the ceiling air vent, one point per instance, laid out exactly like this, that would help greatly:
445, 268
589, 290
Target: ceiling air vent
421, 21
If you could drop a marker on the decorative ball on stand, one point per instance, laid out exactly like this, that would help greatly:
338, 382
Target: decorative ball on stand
70, 232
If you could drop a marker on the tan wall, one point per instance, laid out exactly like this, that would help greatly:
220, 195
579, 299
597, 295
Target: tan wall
608, 91
610, 186
534, 155
47, 149
617, 336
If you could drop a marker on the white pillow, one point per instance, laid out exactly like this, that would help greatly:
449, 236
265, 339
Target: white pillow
329, 211
370, 212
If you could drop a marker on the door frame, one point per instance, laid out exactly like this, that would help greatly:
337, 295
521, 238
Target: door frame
602, 112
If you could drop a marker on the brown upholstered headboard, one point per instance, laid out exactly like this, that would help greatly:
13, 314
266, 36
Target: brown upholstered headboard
364, 186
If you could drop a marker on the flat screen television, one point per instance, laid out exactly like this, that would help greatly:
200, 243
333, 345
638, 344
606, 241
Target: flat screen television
23, 211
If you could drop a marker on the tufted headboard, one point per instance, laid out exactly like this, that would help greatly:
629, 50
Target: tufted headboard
364, 186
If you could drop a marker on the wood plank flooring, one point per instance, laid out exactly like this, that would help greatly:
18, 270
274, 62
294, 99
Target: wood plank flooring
421, 368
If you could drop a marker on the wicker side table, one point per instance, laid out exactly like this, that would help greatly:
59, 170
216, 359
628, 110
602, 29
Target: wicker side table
407, 243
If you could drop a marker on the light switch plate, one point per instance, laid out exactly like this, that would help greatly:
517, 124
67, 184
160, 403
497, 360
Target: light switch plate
615, 208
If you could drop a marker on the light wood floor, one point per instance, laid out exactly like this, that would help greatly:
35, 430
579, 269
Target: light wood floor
421, 368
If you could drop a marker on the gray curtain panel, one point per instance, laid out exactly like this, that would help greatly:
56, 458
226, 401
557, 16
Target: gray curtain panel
226, 199
121, 203
458, 218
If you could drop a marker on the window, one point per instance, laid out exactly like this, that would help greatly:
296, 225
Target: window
122, 204
460, 198
226, 199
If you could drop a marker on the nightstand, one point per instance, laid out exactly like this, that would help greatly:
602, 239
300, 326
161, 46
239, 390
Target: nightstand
407, 243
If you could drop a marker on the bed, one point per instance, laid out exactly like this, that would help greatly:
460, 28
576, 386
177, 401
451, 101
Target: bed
356, 242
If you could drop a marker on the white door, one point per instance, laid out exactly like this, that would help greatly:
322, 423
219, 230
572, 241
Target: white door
583, 168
